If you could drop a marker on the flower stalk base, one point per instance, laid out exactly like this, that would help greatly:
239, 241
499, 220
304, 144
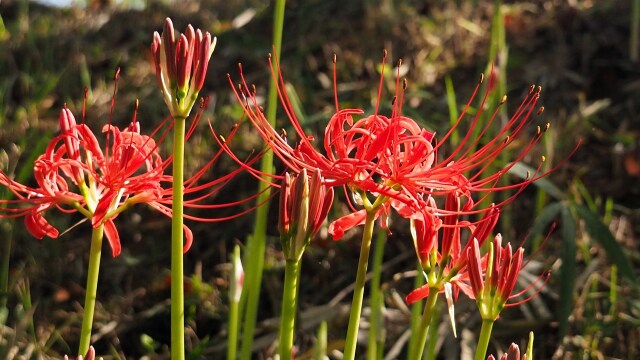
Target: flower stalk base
358, 292
289, 304
177, 260
92, 287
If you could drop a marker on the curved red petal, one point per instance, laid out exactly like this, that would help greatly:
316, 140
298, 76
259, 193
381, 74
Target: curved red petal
188, 237
417, 294
111, 232
340, 226
39, 227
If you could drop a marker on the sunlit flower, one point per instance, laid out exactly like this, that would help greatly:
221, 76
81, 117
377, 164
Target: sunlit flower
493, 277
181, 65
365, 156
439, 248
75, 174
395, 160
304, 204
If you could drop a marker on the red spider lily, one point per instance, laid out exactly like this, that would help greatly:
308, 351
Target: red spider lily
501, 268
181, 65
395, 159
363, 155
76, 174
304, 204
447, 260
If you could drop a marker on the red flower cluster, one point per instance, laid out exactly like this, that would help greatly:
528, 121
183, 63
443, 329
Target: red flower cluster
396, 161
75, 174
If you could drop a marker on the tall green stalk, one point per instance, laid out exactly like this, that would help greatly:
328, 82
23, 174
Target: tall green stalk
177, 243
423, 328
376, 339
288, 315
92, 288
432, 336
320, 352
483, 340
358, 292
235, 289
257, 242
416, 313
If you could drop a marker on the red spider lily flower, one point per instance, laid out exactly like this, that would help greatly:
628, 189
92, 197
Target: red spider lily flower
501, 267
361, 155
445, 261
75, 174
394, 159
304, 204
181, 65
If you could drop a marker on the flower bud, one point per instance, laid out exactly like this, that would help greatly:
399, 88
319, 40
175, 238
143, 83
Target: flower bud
304, 205
181, 65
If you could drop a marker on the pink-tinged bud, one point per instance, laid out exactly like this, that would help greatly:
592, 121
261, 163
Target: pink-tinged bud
91, 355
450, 229
284, 220
237, 276
501, 269
68, 129
321, 199
513, 353
497, 259
205, 49
475, 269
156, 48
487, 224
481, 232
181, 65
304, 205
425, 235
169, 44
510, 273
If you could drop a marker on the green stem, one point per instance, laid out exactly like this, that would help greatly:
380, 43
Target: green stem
232, 342
234, 301
432, 336
92, 288
416, 313
483, 340
358, 292
321, 342
375, 343
288, 315
177, 243
423, 328
257, 243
